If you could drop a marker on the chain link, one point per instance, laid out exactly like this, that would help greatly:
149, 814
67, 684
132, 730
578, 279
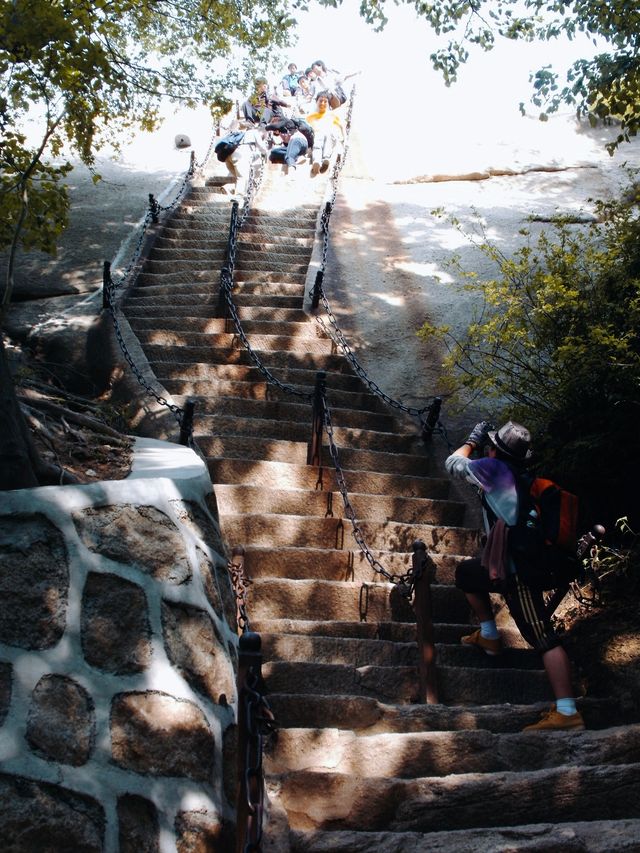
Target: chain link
109, 291
155, 209
404, 582
335, 333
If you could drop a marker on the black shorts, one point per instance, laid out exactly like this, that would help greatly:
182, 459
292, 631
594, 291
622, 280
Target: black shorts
526, 605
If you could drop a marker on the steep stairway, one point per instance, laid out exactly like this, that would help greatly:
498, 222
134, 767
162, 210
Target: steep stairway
357, 764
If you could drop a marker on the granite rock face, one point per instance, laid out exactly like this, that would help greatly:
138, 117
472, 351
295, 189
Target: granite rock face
117, 673
141, 536
34, 582
61, 723
40, 816
158, 734
115, 625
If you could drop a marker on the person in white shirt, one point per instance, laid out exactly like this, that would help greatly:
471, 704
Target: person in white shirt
246, 156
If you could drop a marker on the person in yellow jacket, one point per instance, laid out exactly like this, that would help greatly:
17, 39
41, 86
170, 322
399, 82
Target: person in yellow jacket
328, 131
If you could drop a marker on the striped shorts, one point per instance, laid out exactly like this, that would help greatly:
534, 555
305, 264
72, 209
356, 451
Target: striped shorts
526, 605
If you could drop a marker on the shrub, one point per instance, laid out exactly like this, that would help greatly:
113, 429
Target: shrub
554, 342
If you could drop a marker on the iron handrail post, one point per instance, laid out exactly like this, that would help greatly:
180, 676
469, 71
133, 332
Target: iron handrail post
154, 208
186, 424
317, 285
423, 607
247, 816
431, 420
106, 283
317, 419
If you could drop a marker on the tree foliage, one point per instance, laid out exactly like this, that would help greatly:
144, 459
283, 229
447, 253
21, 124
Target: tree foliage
602, 87
72, 70
555, 342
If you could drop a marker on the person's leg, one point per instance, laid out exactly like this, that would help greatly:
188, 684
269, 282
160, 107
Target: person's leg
295, 149
278, 154
316, 153
241, 159
328, 145
527, 608
558, 668
473, 579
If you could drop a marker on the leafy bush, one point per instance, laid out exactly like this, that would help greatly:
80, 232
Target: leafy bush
554, 342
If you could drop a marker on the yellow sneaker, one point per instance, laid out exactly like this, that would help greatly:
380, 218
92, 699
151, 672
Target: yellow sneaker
489, 647
553, 720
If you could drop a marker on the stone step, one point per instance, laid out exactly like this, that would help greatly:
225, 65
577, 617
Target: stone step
209, 240
281, 475
336, 565
274, 450
462, 801
189, 292
269, 301
180, 253
199, 216
281, 598
304, 531
337, 383
216, 325
216, 247
283, 409
247, 287
456, 685
197, 279
597, 836
238, 499
428, 754
217, 224
364, 439
360, 405
351, 651
226, 355
368, 715
228, 341
446, 633
245, 273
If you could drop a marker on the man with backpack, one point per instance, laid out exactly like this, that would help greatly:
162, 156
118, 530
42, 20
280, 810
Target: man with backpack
503, 481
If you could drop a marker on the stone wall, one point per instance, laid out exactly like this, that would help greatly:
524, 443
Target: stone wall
117, 664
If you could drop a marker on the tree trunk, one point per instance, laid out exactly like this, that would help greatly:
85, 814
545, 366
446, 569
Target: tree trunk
17, 453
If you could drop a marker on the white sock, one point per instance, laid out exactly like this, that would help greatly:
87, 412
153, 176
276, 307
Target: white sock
488, 630
566, 706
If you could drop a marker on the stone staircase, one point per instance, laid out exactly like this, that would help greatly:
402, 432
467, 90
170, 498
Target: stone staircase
356, 764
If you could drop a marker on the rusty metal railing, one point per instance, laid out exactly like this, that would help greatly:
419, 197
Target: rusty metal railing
255, 718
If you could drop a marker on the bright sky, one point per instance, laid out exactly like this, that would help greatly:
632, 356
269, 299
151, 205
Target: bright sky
478, 117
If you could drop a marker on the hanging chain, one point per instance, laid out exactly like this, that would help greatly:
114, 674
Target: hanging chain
404, 582
109, 294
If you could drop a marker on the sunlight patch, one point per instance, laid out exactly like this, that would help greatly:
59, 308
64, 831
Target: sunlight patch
394, 301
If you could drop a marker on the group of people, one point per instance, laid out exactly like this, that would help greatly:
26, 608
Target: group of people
294, 123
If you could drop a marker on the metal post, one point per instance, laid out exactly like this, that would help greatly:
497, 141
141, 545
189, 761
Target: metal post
314, 452
106, 283
431, 420
154, 207
317, 287
186, 424
249, 765
423, 607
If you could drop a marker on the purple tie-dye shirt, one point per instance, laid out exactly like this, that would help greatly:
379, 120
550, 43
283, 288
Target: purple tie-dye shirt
496, 480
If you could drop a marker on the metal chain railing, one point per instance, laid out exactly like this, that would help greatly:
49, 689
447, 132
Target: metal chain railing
429, 415
255, 718
109, 302
155, 209
406, 581
226, 286
184, 416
